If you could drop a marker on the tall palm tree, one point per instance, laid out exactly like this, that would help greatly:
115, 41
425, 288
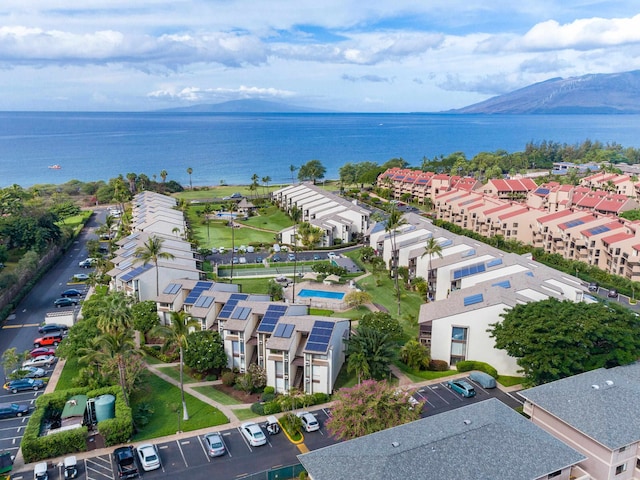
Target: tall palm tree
131, 177
431, 248
176, 335
292, 169
112, 348
151, 251
114, 313
265, 182
206, 211
254, 184
231, 206
190, 171
295, 213
394, 221
163, 176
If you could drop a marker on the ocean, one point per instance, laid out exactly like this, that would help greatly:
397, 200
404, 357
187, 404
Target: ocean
230, 148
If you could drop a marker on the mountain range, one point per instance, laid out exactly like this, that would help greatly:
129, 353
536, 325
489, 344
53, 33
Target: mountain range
588, 94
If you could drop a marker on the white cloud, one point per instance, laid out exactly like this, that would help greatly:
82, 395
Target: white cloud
197, 94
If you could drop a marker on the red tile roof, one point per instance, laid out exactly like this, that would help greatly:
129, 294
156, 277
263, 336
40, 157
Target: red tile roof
513, 214
618, 237
554, 216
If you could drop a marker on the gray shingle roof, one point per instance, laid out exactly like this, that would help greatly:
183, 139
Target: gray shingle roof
496, 443
610, 413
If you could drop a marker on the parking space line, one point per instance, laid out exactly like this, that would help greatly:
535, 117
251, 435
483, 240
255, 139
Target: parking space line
244, 439
225, 443
302, 447
204, 449
434, 389
182, 453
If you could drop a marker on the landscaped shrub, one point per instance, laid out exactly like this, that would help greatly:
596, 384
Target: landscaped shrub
267, 397
257, 408
272, 407
269, 390
228, 378
468, 365
438, 366
320, 397
155, 352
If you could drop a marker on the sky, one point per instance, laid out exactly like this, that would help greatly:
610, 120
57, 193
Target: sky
337, 55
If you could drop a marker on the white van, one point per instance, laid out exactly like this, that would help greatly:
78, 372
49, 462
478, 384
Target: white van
276, 248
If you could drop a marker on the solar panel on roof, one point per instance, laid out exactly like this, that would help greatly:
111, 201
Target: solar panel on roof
316, 347
503, 284
530, 274
446, 243
204, 301
469, 253
473, 299
542, 191
494, 263
237, 296
197, 291
241, 313
172, 288
573, 223
320, 336
597, 230
227, 309
135, 272
283, 330
467, 271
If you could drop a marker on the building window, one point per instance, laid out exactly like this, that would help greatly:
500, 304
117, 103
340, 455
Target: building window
638, 463
555, 474
279, 369
458, 344
621, 468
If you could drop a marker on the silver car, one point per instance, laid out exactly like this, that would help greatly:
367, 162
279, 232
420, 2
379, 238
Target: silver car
214, 444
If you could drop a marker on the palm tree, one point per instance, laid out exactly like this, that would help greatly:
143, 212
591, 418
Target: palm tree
265, 181
163, 176
358, 363
394, 221
112, 348
295, 213
190, 171
176, 336
131, 177
231, 206
206, 211
292, 169
114, 313
431, 248
254, 183
151, 251
378, 349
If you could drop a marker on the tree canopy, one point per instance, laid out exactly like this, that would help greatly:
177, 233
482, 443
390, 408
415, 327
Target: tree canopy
370, 407
205, 352
553, 339
312, 170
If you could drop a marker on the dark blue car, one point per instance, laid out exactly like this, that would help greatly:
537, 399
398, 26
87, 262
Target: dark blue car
15, 386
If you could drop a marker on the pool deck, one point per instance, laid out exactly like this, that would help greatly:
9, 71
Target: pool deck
317, 302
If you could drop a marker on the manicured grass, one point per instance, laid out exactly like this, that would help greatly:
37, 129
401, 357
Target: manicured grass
345, 379
423, 375
164, 399
353, 314
219, 235
270, 218
253, 285
244, 414
69, 372
221, 191
507, 381
174, 372
216, 395
320, 311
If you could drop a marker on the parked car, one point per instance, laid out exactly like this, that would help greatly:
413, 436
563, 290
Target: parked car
13, 410
309, 421
41, 352
70, 467
72, 292
483, 379
40, 471
65, 302
15, 386
462, 387
258, 259
251, 249
48, 339
214, 444
234, 260
87, 263
316, 256
29, 372
41, 361
291, 257
593, 287
612, 293
242, 260
148, 456
125, 462
253, 434
81, 277
331, 255
52, 328
276, 258
236, 195
214, 251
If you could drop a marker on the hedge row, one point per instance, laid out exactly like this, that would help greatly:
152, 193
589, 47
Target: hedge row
115, 431
468, 365
283, 403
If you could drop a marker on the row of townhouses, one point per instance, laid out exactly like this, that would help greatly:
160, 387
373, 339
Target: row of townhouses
584, 427
341, 221
577, 223
296, 349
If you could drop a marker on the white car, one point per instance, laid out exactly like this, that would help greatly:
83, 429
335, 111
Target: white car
148, 456
309, 421
253, 434
41, 361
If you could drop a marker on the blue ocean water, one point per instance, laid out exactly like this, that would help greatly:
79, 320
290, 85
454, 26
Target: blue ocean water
232, 147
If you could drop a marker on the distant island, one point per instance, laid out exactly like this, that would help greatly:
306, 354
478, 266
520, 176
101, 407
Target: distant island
613, 93
245, 106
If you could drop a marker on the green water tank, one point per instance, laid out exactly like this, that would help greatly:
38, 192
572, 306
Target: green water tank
105, 407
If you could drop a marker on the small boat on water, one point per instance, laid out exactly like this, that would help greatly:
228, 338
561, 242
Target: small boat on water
55, 167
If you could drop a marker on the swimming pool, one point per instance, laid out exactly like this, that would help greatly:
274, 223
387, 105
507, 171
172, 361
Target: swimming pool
226, 215
306, 292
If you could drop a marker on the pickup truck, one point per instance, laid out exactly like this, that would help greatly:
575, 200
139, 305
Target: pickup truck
125, 462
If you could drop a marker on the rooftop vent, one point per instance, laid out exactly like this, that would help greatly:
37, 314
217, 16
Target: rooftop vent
467, 422
609, 382
595, 387
395, 444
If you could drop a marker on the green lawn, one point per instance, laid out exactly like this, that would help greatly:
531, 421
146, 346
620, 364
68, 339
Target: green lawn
507, 381
69, 372
270, 218
219, 235
164, 399
216, 395
174, 372
244, 414
224, 191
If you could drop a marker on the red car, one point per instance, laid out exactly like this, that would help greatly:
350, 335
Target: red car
38, 352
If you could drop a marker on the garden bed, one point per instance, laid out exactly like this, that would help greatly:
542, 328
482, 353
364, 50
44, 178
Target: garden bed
239, 395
